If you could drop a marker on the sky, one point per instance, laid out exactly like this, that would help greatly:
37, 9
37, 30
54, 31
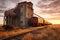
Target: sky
48, 9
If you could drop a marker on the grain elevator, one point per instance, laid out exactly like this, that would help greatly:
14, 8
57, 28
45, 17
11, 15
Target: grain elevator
20, 15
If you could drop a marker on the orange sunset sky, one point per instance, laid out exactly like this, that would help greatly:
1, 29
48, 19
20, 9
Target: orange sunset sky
48, 9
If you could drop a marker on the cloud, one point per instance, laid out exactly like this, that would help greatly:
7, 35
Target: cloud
43, 7
50, 7
55, 18
1, 11
8, 4
48, 3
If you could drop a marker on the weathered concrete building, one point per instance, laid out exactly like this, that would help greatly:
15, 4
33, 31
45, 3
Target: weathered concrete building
20, 15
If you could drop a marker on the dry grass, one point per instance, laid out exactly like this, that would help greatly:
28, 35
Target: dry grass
1, 27
49, 33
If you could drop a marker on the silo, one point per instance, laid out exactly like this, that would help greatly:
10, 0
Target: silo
24, 11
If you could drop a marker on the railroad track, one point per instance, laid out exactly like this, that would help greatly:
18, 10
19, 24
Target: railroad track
8, 34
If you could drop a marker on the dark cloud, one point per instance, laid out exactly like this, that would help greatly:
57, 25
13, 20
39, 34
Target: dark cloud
52, 5
48, 3
7, 4
1, 11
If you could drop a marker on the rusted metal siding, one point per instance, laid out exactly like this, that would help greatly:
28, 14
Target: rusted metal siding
26, 13
29, 10
20, 15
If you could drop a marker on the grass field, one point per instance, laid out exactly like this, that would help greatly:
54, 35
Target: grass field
52, 32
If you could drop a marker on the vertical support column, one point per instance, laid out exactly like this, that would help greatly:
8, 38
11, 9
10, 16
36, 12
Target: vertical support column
11, 20
43, 22
8, 20
4, 21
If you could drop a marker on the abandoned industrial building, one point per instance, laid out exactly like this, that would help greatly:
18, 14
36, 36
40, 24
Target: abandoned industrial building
21, 15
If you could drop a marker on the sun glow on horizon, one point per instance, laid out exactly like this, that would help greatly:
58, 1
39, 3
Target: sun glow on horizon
1, 20
54, 21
